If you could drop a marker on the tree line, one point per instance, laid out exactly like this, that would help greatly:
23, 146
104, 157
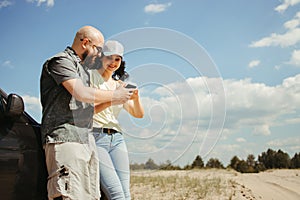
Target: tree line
266, 160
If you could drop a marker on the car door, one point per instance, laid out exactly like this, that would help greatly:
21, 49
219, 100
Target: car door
23, 173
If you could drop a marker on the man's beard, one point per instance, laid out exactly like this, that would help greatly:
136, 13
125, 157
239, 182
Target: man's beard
91, 62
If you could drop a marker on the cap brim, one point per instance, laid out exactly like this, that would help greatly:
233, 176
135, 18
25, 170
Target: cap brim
111, 53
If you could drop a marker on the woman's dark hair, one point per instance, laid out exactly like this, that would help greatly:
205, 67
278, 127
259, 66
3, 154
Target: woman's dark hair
121, 74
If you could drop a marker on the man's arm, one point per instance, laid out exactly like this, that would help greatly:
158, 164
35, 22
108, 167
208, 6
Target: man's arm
92, 95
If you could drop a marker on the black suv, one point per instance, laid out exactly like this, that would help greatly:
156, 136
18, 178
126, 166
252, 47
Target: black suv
23, 173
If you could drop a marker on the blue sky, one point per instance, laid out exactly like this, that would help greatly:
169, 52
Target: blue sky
217, 78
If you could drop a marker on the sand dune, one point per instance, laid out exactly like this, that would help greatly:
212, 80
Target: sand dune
214, 184
274, 184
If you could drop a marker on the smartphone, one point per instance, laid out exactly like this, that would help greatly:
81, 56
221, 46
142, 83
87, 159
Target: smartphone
130, 86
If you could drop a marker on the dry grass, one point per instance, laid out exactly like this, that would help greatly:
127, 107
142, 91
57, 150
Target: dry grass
214, 184
178, 185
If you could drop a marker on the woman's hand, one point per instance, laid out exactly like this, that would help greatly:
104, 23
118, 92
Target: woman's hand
135, 95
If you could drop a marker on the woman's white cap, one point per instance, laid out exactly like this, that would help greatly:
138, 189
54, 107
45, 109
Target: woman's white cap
113, 47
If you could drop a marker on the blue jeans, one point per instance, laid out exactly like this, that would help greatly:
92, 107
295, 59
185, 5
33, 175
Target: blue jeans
114, 165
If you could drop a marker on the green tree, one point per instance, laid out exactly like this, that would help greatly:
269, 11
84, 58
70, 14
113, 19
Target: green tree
234, 162
136, 166
251, 160
197, 163
272, 159
150, 164
282, 160
295, 161
268, 159
168, 166
214, 163
242, 167
251, 163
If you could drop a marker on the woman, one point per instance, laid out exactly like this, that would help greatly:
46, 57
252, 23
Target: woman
112, 150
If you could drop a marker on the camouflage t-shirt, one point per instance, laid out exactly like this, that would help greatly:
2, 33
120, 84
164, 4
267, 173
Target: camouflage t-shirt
64, 118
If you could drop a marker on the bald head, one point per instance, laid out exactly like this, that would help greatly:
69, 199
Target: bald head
87, 33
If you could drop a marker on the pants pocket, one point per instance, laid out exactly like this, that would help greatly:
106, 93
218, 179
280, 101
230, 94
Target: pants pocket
59, 183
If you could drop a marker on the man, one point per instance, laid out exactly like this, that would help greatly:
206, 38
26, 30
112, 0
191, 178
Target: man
67, 102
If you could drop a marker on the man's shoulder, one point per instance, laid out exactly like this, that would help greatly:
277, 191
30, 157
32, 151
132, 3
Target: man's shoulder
66, 55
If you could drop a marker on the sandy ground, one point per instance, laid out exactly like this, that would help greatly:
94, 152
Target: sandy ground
216, 184
273, 184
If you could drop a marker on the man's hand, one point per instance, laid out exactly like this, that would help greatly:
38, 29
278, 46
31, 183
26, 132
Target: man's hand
121, 95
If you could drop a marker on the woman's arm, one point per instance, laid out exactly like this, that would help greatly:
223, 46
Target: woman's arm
134, 106
100, 107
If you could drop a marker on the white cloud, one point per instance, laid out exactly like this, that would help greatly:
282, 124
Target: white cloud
293, 121
30, 100
282, 143
50, 3
262, 130
252, 104
286, 3
277, 67
7, 64
293, 23
187, 111
33, 106
253, 63
156, 8
260, 106
240, 139
295, 59
289, 38
5, 3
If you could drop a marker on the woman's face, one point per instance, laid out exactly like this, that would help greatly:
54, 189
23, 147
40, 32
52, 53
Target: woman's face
111, 63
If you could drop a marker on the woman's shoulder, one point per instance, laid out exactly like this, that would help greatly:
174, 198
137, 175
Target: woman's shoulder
96, 77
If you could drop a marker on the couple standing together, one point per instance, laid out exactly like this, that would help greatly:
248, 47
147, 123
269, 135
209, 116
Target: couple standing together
82, 93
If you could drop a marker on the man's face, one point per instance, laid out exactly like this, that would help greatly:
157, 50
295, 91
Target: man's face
92, 53
91, 59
